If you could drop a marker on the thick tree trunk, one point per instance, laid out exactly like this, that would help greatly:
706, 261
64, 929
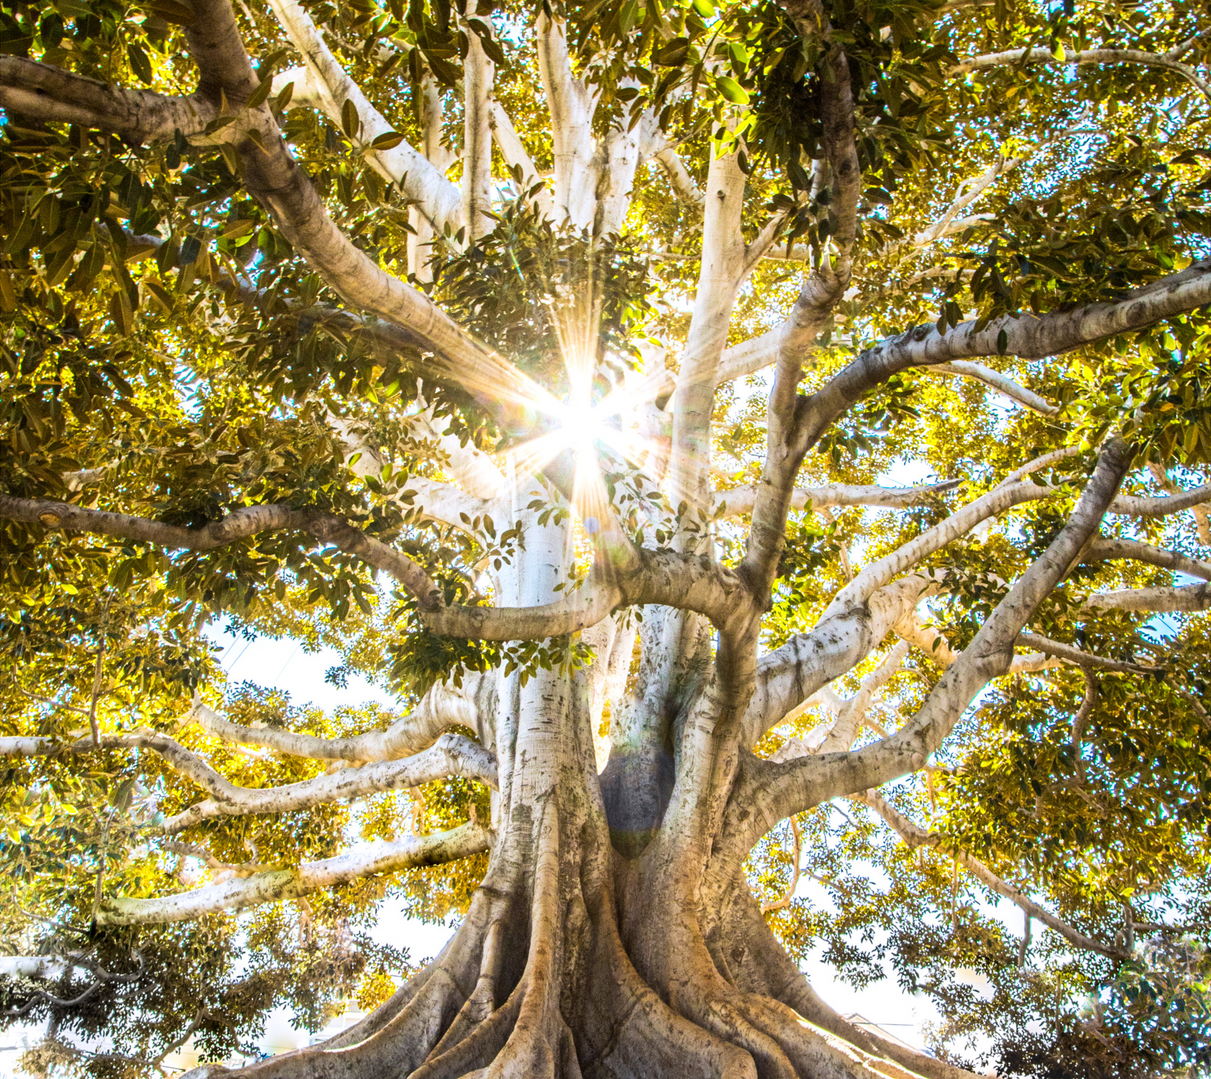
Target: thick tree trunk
577, 959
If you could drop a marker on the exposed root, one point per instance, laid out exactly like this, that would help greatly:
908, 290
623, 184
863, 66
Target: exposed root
762, 966
626, 1031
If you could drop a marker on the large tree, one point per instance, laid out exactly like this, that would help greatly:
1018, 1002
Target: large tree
749, 440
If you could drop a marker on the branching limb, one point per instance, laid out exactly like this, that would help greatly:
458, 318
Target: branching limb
740, 500
821, 291
1079, 656
916, 836
437, 197
771, 792
571, 106
441, 708
878, 573
808, 661
999, 382
680, 180
452, 754
363, 861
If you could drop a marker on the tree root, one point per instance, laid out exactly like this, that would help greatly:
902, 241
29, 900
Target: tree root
763, 968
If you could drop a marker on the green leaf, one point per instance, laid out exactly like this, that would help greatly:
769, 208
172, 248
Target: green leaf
388, 140
732, 90
351, 124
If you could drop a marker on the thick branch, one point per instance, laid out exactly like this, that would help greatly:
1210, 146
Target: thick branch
1134, 506
1189, 597
451, 755
50, 94
437, 197
363, 861
945, 532
1103, 549
774, 791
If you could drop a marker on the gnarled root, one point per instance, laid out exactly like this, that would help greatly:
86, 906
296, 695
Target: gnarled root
762, 968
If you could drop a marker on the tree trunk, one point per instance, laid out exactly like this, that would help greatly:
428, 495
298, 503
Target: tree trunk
598, 943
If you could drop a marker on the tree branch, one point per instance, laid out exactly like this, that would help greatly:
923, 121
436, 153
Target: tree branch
738, 501
441, 708
1021, 57
438, 199
50, 94
1188, 597
916, 836
279, 884
771, 792
945, 532
1103, 549
999, 382
451, 755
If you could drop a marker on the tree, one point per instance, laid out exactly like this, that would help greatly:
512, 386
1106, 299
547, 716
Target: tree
546, 363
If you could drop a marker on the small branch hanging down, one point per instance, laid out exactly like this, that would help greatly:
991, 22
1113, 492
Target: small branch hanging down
916, 836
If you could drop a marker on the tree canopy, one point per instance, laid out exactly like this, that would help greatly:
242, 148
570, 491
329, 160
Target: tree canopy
753, 443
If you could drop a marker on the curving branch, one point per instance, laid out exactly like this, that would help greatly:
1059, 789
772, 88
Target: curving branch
788, 676
452, 754
440, 709
1078, 656
1103, 549
739, 501
1001, 383
945, 532
294, 883
916, 836
1167, 60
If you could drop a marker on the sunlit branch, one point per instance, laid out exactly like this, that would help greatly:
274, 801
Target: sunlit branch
441, 708
1105, 549
771, 792
452, 755
437, 197
1189, 597
999, 382
1021, 57
294, 883
877, 574
738, 501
